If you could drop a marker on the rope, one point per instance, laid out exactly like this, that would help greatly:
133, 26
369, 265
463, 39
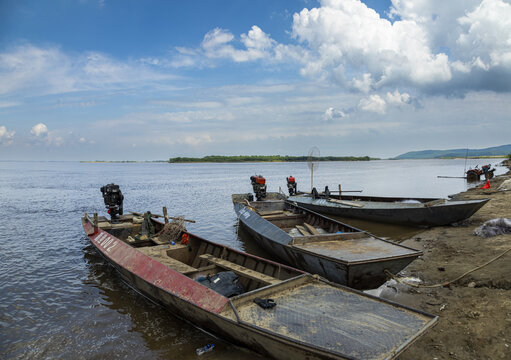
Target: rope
401, 281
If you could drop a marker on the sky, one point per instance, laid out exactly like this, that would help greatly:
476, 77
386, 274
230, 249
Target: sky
150, 80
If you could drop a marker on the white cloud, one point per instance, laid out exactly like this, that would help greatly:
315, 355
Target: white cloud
6, 137
374, 104
39, 130
486, 39
332, 114
349, 36
216, 44
197, 139
252, 46
32, 70
82, 140
43, 136
364, 84
431, 45
8, 104
397, 98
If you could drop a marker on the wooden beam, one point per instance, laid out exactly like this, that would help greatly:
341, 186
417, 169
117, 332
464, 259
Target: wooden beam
311, 229
344, 202
241, 270
161, 216
302, 230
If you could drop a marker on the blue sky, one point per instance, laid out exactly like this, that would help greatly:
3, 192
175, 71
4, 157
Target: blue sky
145, 80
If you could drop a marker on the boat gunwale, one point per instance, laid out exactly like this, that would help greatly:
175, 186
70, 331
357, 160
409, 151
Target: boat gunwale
447, 202
415, 252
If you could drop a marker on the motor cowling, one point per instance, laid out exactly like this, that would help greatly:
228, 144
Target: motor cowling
258, 186
113, 199
291, 185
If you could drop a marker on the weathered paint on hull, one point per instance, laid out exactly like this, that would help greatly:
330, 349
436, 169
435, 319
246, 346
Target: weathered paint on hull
426, 216
237, 333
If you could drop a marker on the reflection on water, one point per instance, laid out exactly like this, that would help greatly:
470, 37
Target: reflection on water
58, 298
161, 333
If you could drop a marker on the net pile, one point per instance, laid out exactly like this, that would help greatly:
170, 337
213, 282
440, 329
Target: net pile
171, 231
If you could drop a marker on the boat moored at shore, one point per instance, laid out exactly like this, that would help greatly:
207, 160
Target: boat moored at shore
321, 245
273, 309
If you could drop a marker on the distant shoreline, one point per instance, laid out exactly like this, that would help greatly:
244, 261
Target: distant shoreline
264, 158
122, 161
276, 159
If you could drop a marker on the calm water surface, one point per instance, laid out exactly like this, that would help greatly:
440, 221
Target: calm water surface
58, 298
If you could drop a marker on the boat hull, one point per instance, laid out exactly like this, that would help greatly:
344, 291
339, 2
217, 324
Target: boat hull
357, 275
137, 276
298, 328
402, 213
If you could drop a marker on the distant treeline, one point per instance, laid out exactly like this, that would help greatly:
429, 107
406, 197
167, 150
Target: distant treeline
122, 161
265, 158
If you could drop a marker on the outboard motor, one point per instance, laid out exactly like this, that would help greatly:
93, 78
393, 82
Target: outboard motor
259, 186
487, 171
291, 185
113, 200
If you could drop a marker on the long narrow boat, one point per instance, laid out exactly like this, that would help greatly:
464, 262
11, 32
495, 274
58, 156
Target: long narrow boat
312, 318
320, 245
397, 210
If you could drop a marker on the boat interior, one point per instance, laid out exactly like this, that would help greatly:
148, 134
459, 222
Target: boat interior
196, 257
335, 319
301, 224
321, 235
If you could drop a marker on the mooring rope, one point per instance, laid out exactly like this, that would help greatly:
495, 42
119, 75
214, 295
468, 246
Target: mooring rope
401, 281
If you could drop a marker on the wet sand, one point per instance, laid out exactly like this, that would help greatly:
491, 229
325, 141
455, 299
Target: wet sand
475, 312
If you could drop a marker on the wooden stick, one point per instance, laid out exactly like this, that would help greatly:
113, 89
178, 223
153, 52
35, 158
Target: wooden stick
344, 202
161, 216
335, 191
165, 215
96, 222
451, 177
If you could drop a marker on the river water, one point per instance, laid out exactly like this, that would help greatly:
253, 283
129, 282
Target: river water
58, 298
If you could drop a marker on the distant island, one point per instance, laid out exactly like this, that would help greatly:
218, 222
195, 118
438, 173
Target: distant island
122, 161
264, 158
497, 151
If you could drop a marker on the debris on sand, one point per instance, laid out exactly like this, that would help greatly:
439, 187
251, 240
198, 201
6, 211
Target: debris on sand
494, 227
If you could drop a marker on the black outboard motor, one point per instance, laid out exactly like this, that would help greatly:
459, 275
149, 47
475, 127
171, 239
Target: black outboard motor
291, 185
259, 186
113, 200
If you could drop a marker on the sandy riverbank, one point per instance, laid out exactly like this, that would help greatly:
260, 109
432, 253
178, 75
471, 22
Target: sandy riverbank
475, 312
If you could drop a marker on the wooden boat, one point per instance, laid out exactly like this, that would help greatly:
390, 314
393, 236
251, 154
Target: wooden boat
320, 245
397, 210
312, 318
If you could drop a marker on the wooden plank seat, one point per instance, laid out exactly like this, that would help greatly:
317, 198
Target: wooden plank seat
283, 216
106, 225
241, 270
159, 253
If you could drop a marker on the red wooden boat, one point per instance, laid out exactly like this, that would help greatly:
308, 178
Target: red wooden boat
312, 318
